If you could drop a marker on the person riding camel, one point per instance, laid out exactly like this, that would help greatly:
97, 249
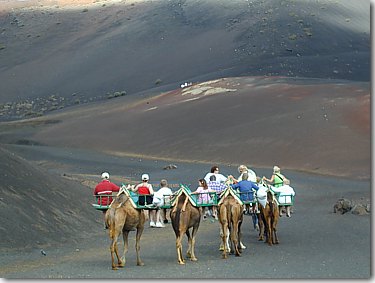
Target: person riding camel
105, 187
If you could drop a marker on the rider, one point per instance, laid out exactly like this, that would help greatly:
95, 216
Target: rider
245, 188
161, 197
145, 192
277, 179
244, 169
146, 189
105, 187
215, 171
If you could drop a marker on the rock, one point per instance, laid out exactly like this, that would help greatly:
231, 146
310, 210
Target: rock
170, 166
342, 206
368, 207
359, 209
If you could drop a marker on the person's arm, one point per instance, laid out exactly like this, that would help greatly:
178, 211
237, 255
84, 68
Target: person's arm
197, 191
222, 178
115, 188
269, 180
150, 188
231, 178
235, 186
135, 189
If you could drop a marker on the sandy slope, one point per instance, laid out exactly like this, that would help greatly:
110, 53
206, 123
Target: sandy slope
303, 124
39, 209
91, 50
84, 51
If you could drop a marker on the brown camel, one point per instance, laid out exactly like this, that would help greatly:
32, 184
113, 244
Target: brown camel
268, 220
184, 215
230, 218
122, 216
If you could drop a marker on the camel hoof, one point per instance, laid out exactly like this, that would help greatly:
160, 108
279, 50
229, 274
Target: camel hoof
193, 259
181, 262
221, 248
114, 268
140, 264
261, 239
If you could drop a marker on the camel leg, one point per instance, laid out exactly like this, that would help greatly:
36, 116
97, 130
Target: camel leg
239, 221
221, 239
225, 240
114, 251
269, 231
274, 228
240, 244
228, 242
261, 228
193, 236
188, 253
234, 238
276, 240
122, 260
179, 249
137, 245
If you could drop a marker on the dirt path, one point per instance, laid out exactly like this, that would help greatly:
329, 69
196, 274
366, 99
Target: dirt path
314, 242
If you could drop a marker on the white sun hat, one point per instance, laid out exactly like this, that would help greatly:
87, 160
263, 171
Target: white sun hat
105, 175
145, 177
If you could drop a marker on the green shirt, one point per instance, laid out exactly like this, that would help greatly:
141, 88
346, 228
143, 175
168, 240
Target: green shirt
278, 180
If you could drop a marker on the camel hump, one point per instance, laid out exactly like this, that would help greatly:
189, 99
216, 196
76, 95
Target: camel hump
119, 200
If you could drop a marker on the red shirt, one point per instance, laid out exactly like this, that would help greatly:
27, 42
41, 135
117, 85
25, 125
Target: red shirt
143, 190
105, 187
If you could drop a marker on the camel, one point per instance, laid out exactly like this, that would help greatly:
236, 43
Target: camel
230, 218
122, 216
269, 212
184, 216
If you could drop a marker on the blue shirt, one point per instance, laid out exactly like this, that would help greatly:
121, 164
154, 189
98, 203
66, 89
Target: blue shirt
246, 189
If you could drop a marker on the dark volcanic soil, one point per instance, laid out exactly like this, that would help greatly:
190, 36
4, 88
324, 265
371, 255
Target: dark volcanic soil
273, 82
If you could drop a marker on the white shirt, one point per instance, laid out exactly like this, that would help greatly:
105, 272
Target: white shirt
159, 196
219, 177
252, 176
286, 193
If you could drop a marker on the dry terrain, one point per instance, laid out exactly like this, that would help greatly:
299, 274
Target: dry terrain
94, 85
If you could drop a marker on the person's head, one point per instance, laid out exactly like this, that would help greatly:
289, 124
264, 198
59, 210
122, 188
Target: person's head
212, 178
214, 169
145, 177
276, 169
163, 183
242, 168
258, 179
245, 176
105, 176
202, 183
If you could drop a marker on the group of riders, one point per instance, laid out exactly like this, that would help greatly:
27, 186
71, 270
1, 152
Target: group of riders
213, 184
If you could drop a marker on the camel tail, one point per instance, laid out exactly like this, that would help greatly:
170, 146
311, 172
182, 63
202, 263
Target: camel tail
229, 218
110, 221
176, 219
